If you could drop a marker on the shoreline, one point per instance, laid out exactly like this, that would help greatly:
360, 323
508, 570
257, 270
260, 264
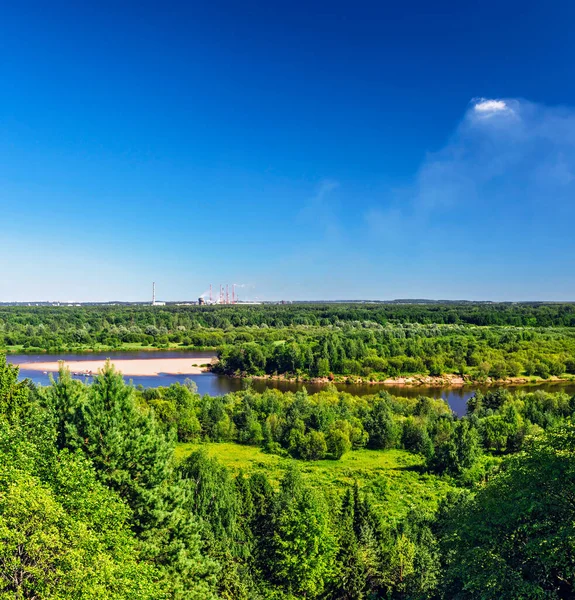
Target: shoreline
449, 381
128, 367
196, 365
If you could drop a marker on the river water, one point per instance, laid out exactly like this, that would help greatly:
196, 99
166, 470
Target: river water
217, 385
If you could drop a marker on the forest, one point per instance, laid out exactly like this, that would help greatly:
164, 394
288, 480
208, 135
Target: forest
370, 342
110, 491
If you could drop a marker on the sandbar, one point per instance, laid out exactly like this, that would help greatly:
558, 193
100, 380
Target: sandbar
135, 366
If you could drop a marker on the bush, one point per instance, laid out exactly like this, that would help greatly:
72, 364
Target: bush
542, 369
338, 443
556, 368
498, 370
415, 438
314, 446
435, 369
375, 363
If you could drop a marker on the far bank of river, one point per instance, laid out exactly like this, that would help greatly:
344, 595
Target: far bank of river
217, 385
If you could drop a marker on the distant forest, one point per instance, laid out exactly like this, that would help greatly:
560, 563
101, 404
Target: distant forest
369, 341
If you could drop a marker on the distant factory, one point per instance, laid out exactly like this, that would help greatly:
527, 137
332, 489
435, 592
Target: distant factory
223, 297
226, 295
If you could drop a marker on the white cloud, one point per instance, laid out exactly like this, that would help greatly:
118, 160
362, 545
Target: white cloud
492, 170
490, 106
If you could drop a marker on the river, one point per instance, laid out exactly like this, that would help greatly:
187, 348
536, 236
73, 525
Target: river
217, 385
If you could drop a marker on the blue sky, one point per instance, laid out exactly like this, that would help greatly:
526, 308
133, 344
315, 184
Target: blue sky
306, 150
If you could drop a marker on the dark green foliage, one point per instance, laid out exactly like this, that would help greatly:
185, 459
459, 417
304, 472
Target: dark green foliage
350, 579
481, 404
383, 431
415, 437
175, 407
225, 508
213, 497
458, 451
126, 447
302, 543
410, 559
14, 396
516, 538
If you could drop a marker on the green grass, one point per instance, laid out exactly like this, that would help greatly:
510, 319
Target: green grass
393, 477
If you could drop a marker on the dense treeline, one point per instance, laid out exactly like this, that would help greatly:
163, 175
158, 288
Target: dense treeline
93, 504
330, 423
377, 352
375, 342
100, 318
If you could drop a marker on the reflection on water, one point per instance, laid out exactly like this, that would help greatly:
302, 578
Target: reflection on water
217, 385
456, 397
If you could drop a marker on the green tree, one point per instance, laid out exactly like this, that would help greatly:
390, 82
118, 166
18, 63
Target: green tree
62, 532
213, 497
302, 545
313, 446
349, 579
132, 456
323, 368
415, 437
379, 424
457, 452
14, 400
127, 448
337, 440
515, 538
71, 542
495, 431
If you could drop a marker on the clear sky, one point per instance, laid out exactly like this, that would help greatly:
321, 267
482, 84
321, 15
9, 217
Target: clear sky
306, 150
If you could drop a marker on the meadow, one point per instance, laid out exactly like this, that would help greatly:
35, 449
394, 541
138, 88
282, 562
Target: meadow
395, 479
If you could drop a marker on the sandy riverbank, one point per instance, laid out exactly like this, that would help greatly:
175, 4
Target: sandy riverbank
129, 367
425, 381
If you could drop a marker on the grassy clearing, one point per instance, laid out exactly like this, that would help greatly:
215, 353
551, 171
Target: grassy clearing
392, 476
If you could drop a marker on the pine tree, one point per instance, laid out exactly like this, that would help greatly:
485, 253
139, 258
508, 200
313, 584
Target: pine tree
302, 545
213, 498
350, 578
261, 523
128, 449
14, 395
62, 398
133, 457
